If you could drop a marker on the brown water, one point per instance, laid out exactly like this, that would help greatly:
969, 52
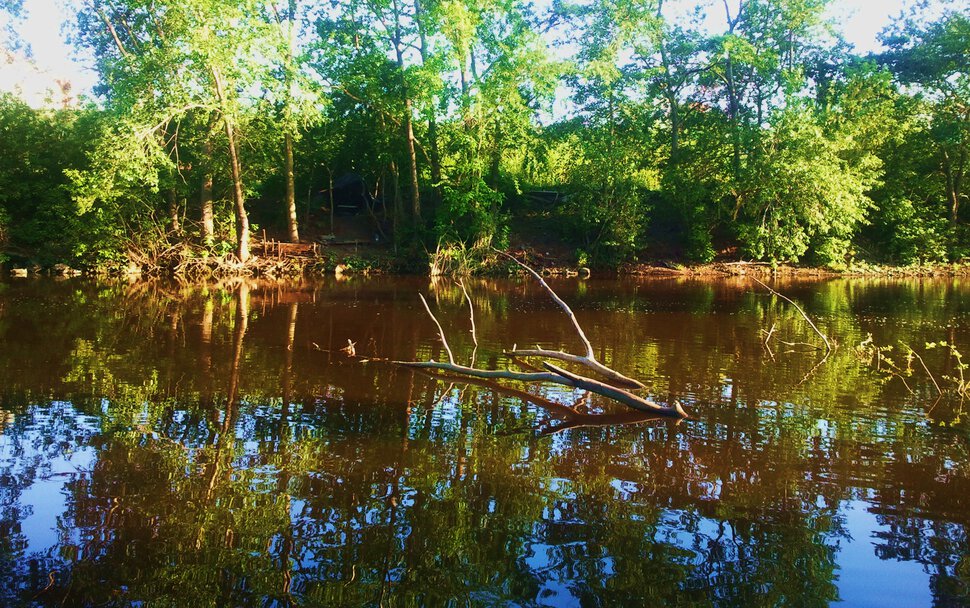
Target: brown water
168, 446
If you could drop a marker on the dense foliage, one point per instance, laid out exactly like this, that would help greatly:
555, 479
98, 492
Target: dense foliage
619, 128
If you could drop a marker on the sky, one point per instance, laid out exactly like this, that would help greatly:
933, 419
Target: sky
53, 58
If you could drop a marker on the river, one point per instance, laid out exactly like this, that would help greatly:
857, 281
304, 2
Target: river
173, 445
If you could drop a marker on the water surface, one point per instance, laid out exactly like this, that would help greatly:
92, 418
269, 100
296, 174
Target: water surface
163, 445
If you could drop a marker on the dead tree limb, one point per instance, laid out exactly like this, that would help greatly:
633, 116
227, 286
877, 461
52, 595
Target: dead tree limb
588, 360
617, 394
828, 345
552, 375
441, 332
471, 315
572, 419
556, 375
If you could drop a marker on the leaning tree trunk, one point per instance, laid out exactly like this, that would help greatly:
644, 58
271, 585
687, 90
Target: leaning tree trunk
242, 218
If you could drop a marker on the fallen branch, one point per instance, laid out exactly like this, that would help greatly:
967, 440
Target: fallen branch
556, 375
617, 394
828, 345
572, 418
552, 374
588, 360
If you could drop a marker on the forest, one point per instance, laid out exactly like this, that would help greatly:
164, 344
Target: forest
622, 130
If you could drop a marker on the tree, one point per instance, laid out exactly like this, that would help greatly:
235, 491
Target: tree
931, 59
297, 98
159, 61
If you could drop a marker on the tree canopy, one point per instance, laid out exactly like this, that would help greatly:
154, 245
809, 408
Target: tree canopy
745, 128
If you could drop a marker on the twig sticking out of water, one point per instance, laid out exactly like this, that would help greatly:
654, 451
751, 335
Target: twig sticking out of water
471, 314
589, 360
441, 332
913, 353
825, 340
553, 374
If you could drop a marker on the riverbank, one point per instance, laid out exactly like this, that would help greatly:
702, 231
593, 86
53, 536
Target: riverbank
766, 269
281, 260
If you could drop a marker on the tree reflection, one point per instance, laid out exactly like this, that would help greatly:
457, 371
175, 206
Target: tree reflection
210, 448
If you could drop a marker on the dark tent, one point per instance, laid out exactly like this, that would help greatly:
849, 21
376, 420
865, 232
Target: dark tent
350, 194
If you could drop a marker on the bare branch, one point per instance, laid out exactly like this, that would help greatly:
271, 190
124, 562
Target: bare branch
569, 312
441, 332
927, 370
617, 394
471, 310
471, 314
114, 34
828, 346
586, 361
590, 359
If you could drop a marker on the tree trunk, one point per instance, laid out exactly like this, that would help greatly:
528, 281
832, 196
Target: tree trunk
669, 92
408, 121
496, 160
242, 218
288, 125
173, 211
205, 196
953, 176
413, 161
733, 111
291, 191
733, 106
398, 207
434, 153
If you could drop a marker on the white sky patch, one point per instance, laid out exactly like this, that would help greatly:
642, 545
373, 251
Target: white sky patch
862, 20
51, 60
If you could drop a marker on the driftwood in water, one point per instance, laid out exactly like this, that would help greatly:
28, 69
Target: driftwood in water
571, 416
614, 388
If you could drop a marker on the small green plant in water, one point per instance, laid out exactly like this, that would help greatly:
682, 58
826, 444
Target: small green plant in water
957, 383
882, 359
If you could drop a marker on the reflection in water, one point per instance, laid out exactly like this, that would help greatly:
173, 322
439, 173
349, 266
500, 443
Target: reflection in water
214, 447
